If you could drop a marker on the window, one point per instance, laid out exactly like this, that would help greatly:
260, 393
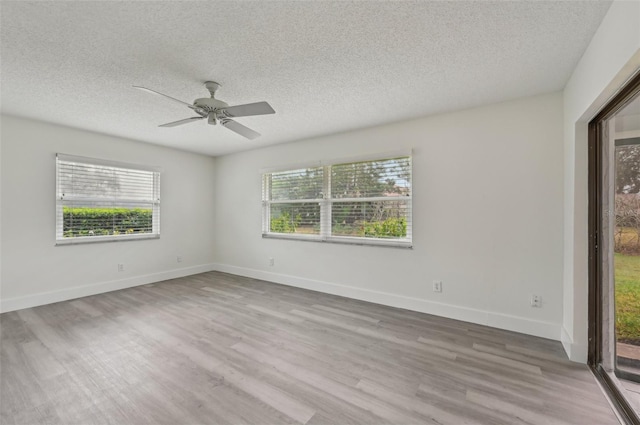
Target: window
100, 200
364, 202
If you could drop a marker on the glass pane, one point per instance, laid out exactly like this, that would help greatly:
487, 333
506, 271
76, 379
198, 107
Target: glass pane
389, 177
98, 219
626, 241
305, 183
370, 219
302, 218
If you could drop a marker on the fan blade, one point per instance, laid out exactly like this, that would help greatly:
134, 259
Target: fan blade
258, 108
180, 122
167, 96
240, 129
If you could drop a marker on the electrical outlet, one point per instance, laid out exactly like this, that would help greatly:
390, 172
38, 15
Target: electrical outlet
536, 301
120, 267
272, 262
437, 286
179, 259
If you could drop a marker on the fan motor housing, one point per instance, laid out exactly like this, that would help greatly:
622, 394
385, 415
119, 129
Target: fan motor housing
209, 104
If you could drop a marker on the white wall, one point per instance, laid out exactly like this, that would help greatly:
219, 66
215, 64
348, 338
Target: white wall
35, 271
487, 217
611, 58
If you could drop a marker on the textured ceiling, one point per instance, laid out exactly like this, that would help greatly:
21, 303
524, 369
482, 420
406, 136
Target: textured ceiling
325, 67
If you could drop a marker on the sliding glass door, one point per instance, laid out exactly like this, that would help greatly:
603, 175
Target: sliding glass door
626, 241
614, 251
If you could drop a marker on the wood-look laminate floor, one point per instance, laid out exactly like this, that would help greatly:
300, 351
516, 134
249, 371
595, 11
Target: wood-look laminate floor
221, 349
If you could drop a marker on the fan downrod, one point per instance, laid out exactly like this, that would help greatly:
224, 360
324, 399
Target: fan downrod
212, 86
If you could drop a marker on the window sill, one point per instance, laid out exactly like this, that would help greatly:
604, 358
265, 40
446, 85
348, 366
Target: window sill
342, 240
99, 239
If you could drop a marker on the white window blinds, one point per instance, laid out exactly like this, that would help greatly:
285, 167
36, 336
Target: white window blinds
294, 201
99, 200
355, 202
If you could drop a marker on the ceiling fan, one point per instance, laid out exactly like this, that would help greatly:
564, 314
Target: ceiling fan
215, 110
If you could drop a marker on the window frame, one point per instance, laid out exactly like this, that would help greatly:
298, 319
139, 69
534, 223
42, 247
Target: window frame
327, 201
60, 240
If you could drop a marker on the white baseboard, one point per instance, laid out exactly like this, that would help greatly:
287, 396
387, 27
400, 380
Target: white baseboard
482, 317
18, 303
576, 352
